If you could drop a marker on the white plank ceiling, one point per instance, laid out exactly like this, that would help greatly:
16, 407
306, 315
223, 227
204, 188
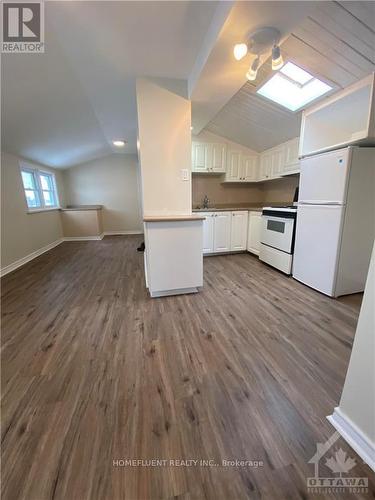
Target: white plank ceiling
336, 42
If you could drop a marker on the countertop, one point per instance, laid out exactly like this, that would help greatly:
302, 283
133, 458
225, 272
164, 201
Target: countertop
232, 208
82, 207
173, 218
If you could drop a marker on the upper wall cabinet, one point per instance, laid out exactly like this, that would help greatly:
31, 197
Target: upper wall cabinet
208, 157
250, 166
291, 160
241, 167
272, 163
347, 117
265, 171
218, 157
278, 160
233, 165
200, 157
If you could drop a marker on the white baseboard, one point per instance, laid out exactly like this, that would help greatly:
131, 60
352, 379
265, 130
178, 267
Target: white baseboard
84, 238
353, 436
21, 262
115, 233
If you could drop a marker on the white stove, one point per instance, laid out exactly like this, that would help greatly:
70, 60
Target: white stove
277, 237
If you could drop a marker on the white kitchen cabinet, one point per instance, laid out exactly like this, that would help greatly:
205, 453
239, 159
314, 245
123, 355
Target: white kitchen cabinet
253, 233
200, 157
265, 171
238, 238
225, 232
241, 167
233, 165
218, 163
249, 168
208, 233
222, 231
345, 118
271, 163
291, 163
278, 159
208, 157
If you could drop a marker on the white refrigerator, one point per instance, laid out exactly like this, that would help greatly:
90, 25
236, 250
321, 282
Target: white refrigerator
335, 220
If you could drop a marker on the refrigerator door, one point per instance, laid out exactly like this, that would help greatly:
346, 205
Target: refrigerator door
324, 178
317, 246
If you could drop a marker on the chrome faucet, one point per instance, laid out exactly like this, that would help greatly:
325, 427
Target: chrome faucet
206, 201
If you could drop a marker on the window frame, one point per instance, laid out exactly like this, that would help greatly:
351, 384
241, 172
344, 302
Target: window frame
36, 173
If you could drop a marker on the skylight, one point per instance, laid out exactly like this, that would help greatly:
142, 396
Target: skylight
293, 87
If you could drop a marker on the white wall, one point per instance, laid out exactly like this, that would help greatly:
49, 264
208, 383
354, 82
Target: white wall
112, 182
208, 136
358, 396
164, 120
23, 233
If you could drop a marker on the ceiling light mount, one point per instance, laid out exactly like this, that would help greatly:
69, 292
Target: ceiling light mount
262, 40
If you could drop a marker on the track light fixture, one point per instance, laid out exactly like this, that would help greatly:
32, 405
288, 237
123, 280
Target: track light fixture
253, 70
277, 58
260, 43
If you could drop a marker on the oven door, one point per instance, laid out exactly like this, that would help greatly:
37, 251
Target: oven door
277, 232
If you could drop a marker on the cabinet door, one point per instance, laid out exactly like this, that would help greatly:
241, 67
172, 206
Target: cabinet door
222, 224
233, 166
291, 165
277, 162
200, 157
218, 157
253, 235
238, 238
249, 170
265, 166
208, 233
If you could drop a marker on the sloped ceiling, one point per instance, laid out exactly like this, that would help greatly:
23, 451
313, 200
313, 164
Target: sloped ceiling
335, 42
65, 106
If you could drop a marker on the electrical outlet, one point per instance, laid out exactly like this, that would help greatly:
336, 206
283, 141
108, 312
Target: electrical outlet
184, 174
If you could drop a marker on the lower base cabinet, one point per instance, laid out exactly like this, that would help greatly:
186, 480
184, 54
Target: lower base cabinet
222, 231
238, 240
225, 232
253, 234
208, 233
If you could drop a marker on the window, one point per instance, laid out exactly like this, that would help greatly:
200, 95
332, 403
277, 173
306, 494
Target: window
40, 188
293, 87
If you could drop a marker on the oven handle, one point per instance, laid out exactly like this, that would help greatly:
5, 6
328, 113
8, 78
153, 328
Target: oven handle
275, 218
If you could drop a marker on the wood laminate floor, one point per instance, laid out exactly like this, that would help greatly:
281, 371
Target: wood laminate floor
94, 371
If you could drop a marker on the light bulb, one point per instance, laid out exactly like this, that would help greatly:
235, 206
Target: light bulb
240, 51
253, 70
277, 58
118, 143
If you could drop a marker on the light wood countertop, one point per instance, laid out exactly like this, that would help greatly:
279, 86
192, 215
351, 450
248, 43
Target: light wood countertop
82, 207
173, 218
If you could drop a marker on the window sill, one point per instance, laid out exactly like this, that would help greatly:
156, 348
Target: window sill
38, 210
